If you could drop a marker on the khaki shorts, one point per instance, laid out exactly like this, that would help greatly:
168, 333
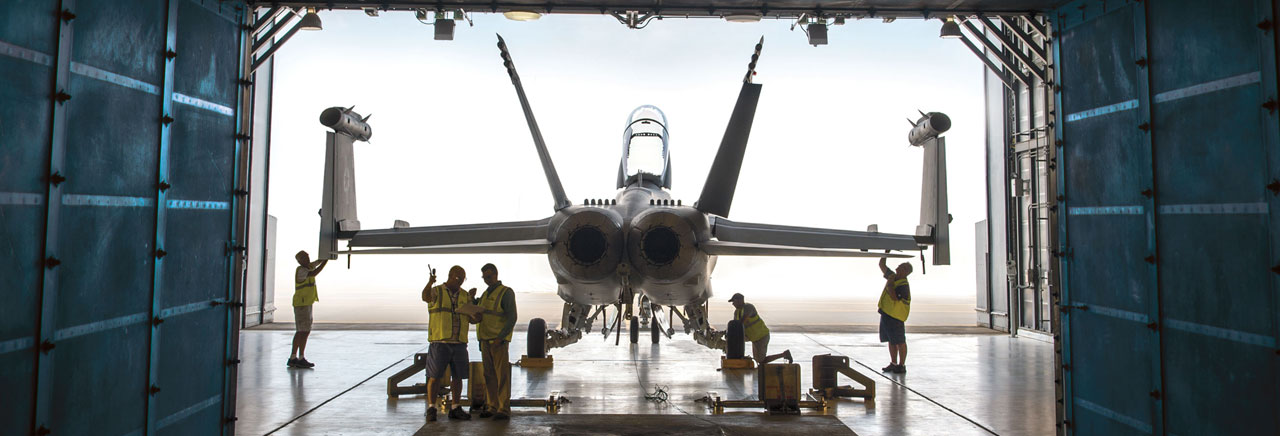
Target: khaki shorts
760, 348
302, 318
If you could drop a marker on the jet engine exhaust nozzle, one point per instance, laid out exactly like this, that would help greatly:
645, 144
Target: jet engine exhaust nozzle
587, 246
662, 245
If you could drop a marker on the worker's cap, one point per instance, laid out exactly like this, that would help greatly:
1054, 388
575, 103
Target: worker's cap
736, 297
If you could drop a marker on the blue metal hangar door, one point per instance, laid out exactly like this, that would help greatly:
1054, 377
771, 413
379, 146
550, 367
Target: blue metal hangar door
1170, 166
118, 158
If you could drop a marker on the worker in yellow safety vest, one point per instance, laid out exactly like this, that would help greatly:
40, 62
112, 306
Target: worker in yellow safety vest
304, 297
494, 333
894, 306
447, 332
755, 331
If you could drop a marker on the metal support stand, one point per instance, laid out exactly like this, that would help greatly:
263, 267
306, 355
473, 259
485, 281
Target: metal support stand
475, 386
717, 405
742, 363
825, 370
536, 362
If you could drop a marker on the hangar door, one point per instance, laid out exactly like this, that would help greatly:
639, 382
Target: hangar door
117, 157
1170, 165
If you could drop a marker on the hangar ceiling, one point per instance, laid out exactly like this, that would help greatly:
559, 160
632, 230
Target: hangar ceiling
703, 8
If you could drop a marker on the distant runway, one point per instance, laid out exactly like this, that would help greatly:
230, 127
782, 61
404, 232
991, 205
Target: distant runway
812, 315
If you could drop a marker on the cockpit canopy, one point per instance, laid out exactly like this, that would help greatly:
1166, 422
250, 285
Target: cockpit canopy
644, 148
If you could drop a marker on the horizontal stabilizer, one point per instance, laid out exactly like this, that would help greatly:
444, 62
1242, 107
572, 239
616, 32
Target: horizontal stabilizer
809, 237
454, 235
534, 246
720, 248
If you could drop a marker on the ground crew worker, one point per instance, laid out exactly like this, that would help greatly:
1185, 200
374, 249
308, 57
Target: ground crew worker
894, 306
494, 333
304, 296
754, 330
448, 331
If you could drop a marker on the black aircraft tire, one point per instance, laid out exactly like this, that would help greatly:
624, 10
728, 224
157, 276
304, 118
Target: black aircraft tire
735, 342
653, 330
537, 338
635, 330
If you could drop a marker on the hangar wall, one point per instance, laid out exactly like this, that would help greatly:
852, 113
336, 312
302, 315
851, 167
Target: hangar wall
118, 158
1168, 144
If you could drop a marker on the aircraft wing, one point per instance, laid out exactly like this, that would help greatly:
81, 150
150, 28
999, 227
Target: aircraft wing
751, 239
721, 248
508, 237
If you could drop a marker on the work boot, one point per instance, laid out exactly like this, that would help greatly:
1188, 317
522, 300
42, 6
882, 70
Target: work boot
431, 414
901, 369
486, 414
787, 355
500, 416
459, 414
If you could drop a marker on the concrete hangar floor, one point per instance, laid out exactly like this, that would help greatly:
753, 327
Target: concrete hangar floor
960, 381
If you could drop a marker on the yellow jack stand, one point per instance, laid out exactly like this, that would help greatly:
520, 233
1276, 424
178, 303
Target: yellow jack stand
743, 363
535, 362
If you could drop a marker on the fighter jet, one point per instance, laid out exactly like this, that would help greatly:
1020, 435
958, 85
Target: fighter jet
641, 243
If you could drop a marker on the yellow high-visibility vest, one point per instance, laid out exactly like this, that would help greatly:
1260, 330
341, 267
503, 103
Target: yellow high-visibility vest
446, 325
304, 292
494, 318
898, 309
753, 327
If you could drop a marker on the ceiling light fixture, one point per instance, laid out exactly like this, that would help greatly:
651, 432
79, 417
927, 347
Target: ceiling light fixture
311, 21
743, 18
521, 15
950, 29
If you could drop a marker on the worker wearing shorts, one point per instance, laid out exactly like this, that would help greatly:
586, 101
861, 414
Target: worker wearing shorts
755, 331
894, 307
448, 331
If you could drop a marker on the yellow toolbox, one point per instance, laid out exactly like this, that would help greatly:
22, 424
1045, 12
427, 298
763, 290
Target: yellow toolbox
779, 387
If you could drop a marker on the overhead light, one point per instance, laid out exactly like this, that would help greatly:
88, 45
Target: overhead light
372, 12
742, 18
950, 29
311, 21
817, 34
521, 15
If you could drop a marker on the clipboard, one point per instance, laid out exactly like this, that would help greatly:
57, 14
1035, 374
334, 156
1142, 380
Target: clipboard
469, 309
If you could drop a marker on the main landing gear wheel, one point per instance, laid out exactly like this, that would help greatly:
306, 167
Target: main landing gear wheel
635, 330
734, 340
653, 329
537, 338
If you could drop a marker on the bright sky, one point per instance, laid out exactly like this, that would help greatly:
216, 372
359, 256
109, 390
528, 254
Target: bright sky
450, 145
